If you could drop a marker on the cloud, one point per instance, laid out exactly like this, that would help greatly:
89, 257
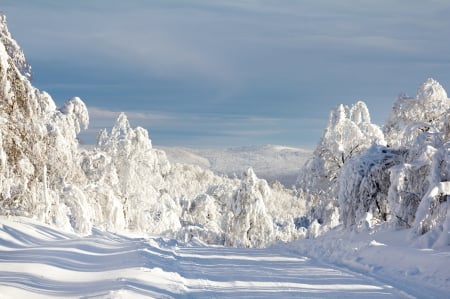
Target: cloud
233, 65
98, 113
187, 129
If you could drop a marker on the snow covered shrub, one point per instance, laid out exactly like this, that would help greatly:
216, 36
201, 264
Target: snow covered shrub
409, 180
285, 206
203, 210
107, 208
78, 211
433, 214
230, 212
408, 185
364, 184
202, 220
250, 225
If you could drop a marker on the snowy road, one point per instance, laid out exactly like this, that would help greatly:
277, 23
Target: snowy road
254, 273
37, 261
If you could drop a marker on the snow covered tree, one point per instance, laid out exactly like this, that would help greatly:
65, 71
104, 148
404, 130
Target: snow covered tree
348, 133
202, 220
418, 192
140, 170
250, 225
432, 218
364, 184
39, 167
13, 50
409, 180
430, 106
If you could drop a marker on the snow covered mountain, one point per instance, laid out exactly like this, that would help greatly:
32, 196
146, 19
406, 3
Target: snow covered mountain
270, 162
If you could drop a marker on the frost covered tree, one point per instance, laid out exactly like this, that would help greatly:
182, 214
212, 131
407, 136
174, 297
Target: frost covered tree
401, 182
348, 133
249, 224
418, 192
430, 106
364, 185
13, 50
140, 172
433, 213
409, 180
203, 220
420, 189
39, 167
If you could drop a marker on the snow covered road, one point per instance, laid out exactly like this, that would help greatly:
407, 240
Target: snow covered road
217, 272
37, 261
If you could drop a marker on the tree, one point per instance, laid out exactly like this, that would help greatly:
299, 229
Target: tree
364, 185
432, 218
348, 133
141, 172
38, 143
249, 225
430, 106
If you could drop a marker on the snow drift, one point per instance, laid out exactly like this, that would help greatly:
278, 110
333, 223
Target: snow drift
40, 261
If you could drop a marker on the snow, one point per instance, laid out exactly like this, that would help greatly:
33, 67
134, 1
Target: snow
40, 261
369, 214
384, 254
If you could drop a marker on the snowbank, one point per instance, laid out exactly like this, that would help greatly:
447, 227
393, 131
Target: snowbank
383, 253
39, 261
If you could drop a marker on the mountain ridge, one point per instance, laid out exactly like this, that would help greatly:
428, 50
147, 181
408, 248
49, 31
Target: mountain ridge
270, 162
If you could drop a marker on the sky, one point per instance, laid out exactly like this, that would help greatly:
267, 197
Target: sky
223, 73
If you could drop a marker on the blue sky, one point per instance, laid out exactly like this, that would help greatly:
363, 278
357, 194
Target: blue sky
226, 73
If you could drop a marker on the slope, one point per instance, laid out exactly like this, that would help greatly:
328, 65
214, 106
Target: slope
270, 162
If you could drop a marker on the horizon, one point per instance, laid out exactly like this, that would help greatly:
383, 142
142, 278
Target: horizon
225, 74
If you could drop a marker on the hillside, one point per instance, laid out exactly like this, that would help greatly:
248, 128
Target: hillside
270, 162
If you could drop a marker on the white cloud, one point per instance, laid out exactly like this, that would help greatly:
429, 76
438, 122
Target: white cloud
99, 113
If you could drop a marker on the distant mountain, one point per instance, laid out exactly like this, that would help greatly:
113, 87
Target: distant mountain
270, 162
